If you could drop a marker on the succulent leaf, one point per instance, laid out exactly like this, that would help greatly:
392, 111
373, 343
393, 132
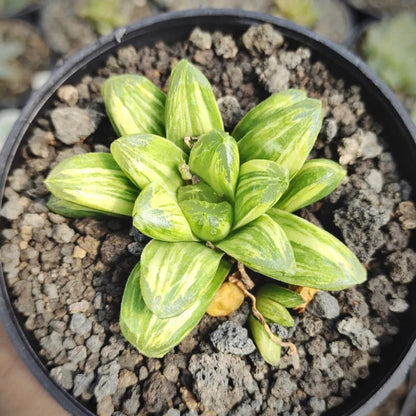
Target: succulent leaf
215, 159
316, 179
322, 261
209, 221
262, 246
269, 350
286, 297
287, 138
174, 275
71, 210
191, 108
260, 184
147, 158
157, 214
93, 180
154, 336
134, 105
199, 192
274, 312
266, 110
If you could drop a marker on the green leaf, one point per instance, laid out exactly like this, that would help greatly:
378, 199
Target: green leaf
153, 336
214, 158
260, 184
269, 350
174, 275
262, 246
209, 221
266, 110
191, 108
134, 105
274, 312
147, 158
316, 179
93, 180
157, 214
286, 297
322, 261
287, 138
71, 210
199, 192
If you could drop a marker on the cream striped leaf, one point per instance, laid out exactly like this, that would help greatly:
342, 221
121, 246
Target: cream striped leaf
262, 246
191, 108
93, 180
274, 312
175, 275
215, 159
287, 138
134, 105
153, 336
157, 214
147, 158
316, 179
209, 221
266, 110
286, 297
260, 184
199, 192
269, 350
322, 261
71, 210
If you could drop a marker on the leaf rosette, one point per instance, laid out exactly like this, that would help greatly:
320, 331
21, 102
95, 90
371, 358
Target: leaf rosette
209, 201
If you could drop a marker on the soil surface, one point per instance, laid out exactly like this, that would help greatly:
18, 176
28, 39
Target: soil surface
66, 277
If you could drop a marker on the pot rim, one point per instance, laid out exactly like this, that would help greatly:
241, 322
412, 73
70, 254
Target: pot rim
233, 18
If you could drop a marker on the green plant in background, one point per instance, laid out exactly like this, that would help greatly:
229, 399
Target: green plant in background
105, 15
303, 12
213, 203
389, 47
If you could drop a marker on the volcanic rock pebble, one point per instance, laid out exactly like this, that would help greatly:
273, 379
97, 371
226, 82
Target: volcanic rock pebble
232, 338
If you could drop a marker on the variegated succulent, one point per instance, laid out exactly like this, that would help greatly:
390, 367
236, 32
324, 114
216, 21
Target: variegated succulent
212, 202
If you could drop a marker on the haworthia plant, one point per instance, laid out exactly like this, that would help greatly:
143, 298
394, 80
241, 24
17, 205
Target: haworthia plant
224, 206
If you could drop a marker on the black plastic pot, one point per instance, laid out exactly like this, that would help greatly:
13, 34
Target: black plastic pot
380, 101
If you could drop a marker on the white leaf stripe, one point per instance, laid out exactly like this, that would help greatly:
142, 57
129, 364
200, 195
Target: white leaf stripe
147, 158
157, 214
134, 105
153, 336
260, 185
266, 110
191, 109
93, 180
175, 274
322, 261
262, 246
316, 179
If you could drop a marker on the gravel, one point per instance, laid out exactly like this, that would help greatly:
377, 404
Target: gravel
66, 277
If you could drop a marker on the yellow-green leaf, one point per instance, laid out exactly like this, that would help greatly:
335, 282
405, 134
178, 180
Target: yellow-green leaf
147, 158
157, 214
93, 180
209, 221
274, 312
316, 179
266, 110
191, 108
286, 297
287, 138
260, 184
322, 261
153, 336
175, 275
214, 158
71, 210
269, 350
200, 192
134, 105
262, 246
